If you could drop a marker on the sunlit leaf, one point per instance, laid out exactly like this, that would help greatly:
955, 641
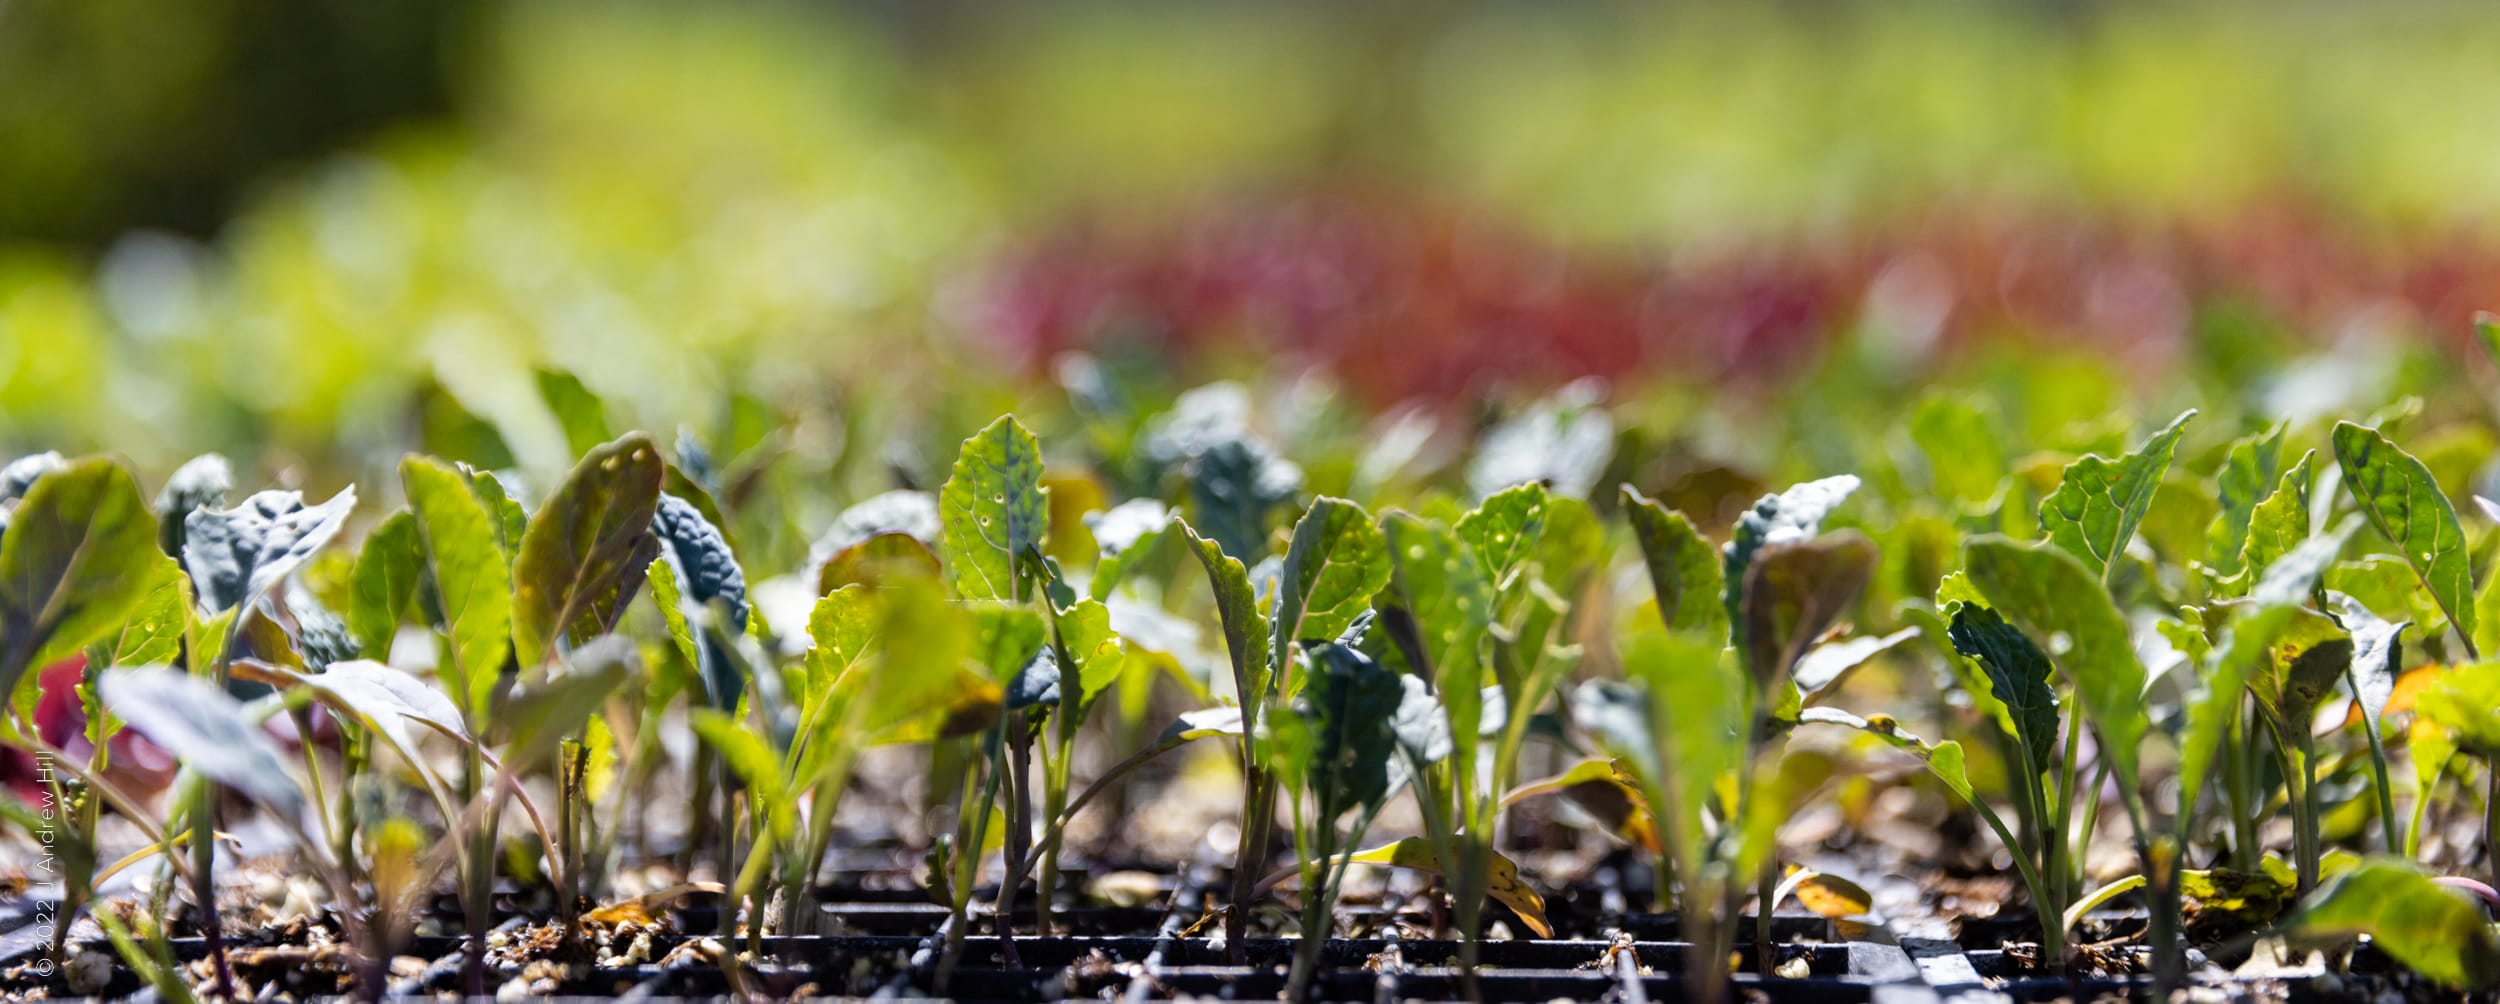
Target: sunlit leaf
1501, 874
1337, 562
2433, 931
1442, 587
910, 513
2404, 502
1237, 606
1125, 534
1683, 567
152, 635
1504, 531
385, 581
2247, 476
582, 543
2096, 507
79, 556
993, 512
471, 575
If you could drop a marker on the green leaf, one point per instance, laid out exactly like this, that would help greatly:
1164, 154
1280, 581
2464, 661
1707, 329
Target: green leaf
470, 574
2461, 700
1237, 605
2377, 655
922, 682
510, 520
993, 511
1965, 456
2049, 592
1793, 593
379, 699
910, 513
2304, 654
840, 630
2018, 676
2293, 578
78, 556
1338, 561
384, 581
1005, 639
1699, 704
751, 758
541, 712
1683, 567
671, 603
582, 415
1945, 759
1504, 531
2246, 478
2095, 509
874, 560
1442, 587
205, 730
1125, 534
2281, 522
579, 548
1793, 515
153, 633
1085, 631
1350, 706
2404, 502
2433, 931
1616, 715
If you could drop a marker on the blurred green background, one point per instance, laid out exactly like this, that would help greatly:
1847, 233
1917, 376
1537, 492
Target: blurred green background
315, 233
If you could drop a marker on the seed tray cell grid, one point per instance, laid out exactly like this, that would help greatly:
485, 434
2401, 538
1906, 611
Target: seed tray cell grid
1846, 962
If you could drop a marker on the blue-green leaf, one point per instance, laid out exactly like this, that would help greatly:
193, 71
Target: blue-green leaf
1793, 515
2049, 592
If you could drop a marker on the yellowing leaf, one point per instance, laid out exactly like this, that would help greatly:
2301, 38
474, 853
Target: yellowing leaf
1826, 894
1501, 873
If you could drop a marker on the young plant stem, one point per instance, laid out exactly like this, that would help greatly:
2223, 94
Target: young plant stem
2064, 867
2300, 773
2378, 778
2491, 821
2240, 785
725, 850
477, 867
970, 828
1766, 888
1016, 766
1054, 807
1258, 815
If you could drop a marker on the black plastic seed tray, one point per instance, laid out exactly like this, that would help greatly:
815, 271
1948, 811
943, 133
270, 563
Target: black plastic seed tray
886, 946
